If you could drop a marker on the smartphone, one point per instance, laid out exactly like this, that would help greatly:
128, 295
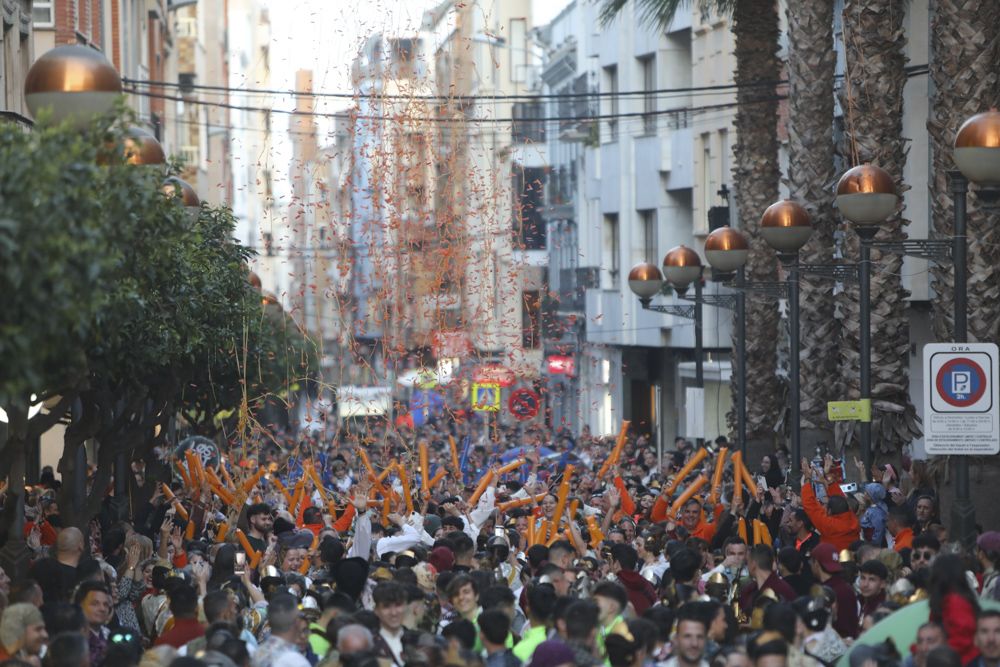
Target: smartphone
241, 564
850, 487
500, 531
762, 482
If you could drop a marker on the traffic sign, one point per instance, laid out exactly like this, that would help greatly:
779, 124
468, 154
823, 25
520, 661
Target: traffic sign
486, 397
961, 413
841, 411
524, 404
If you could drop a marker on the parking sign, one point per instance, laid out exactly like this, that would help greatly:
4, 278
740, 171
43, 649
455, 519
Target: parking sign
960, 404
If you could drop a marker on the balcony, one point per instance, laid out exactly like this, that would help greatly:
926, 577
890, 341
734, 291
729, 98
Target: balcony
578, 110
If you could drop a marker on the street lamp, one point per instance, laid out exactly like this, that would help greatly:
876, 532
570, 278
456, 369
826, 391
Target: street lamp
142, 148
74, 83
682, 266
175, 187
866, 195
977, 155
786, 227
727, 250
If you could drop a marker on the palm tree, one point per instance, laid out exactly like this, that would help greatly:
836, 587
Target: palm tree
872, 99
963, 70
965, 81
812, 65
756, 176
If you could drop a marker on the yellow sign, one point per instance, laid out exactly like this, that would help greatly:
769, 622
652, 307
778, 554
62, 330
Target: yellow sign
842, 411
486, 397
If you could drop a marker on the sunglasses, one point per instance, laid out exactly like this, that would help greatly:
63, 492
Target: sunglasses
922, 555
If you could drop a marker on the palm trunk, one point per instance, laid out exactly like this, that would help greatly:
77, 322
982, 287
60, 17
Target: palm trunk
872, 99
811, 70
965, 79
756, 176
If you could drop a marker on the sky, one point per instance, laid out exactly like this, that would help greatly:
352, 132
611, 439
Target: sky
325, 35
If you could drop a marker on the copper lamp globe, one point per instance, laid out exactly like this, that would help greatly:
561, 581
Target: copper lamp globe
175, 187
254, 281
977, 149
142, 148
786, 226
645, 281
75, 83
866, 195
726, 249
682, 266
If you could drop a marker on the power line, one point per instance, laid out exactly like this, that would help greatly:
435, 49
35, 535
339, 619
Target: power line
910, 70
462, 121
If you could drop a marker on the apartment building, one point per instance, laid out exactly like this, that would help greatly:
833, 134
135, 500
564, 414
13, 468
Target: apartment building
626, 189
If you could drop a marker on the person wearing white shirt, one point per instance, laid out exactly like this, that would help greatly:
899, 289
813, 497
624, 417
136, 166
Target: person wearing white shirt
733, 566
281, 648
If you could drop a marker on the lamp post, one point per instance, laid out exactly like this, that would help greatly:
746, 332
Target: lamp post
977, 155
726, 251
786, 227
866, 195
682, 266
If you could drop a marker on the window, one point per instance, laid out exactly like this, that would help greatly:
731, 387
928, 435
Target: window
531, 320
611, 87
647, 65
187, 26
610, 263
529, 200
706, 173
41, 14
647, 220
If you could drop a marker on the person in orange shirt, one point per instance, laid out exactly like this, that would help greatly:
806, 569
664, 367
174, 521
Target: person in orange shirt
691, 518
836, 523
900, 526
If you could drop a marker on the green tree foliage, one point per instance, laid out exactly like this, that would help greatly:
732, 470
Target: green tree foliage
123, 303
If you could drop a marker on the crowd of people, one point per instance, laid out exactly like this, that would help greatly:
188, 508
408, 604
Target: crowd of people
441, 546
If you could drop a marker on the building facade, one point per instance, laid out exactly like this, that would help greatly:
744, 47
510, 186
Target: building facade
16, 55
624, 189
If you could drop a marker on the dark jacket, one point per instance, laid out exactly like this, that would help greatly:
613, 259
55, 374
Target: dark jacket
641, 593
751, 592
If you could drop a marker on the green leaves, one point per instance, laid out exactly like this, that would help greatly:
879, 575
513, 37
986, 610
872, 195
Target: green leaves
114, 290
